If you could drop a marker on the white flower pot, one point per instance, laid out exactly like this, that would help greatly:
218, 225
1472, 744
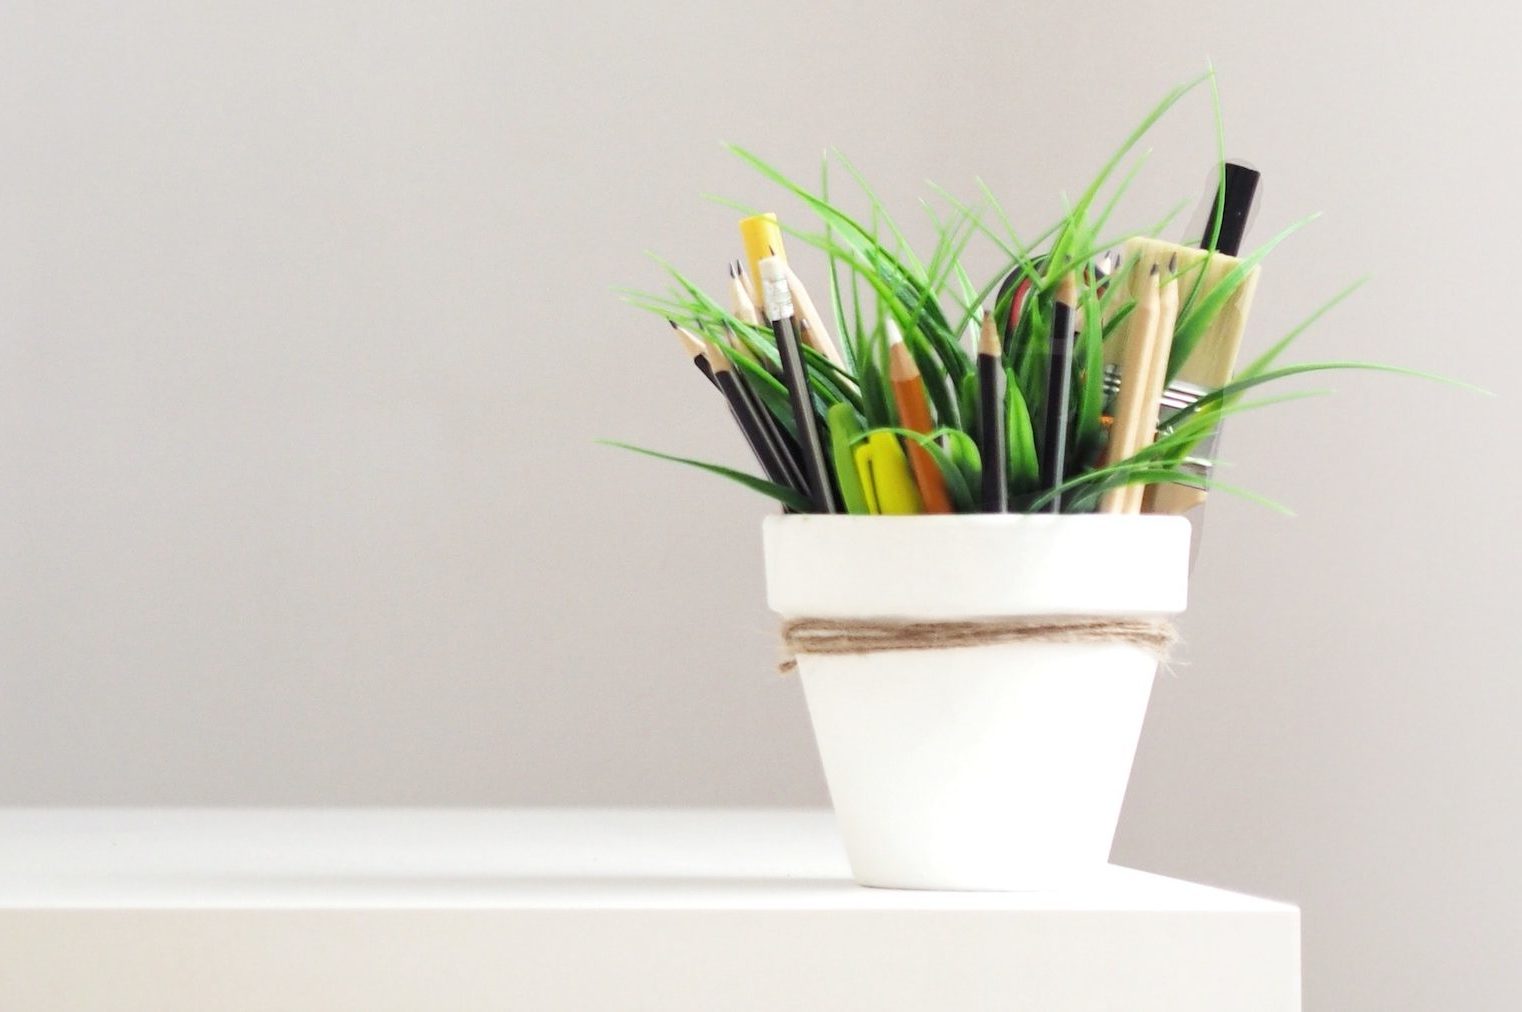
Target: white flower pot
996, 767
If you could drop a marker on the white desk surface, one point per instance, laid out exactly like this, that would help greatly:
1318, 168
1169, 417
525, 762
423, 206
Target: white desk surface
609, 908
475, 858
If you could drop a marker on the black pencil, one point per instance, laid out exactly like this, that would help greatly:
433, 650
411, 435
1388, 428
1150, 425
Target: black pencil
991, 419
782, 445
778, 302
748, 418
697, 348
1059, 377
693, 346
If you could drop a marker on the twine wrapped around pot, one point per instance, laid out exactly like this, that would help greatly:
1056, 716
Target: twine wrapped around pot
870, 636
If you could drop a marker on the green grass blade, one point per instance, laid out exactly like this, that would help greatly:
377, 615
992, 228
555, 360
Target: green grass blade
784, 495
1267, 359
1020, 435
1193, 324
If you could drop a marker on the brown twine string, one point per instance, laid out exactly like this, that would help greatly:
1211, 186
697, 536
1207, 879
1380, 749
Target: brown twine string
870, 636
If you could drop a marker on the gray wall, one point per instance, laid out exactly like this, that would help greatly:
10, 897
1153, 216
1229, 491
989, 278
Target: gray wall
308, 329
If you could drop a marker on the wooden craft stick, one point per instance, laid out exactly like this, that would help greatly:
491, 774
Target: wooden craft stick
1140, 342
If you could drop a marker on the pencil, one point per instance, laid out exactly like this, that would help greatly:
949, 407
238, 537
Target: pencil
739, 293
991, 419
747, 416
697, 349
1059, 381
773, 451
815, 334
1157, 376
1212, 362
762, 237
692, 344
1140, 343
778, 302
914, 414
785, 447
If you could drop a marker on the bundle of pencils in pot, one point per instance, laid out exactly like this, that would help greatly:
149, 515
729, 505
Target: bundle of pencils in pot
1088, 374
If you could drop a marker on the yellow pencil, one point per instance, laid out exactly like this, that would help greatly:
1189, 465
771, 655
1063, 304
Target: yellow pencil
762, 237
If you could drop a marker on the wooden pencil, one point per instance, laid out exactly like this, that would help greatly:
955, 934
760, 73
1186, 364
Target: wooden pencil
773, 450
1212, 363
992, 419
692, 344
1157, 377
914, 414
816, 336
1209, 367
761, 237
744, 303
1140, 342
1059, 382
778, 302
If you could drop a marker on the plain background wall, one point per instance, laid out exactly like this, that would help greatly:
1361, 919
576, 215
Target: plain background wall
306, 330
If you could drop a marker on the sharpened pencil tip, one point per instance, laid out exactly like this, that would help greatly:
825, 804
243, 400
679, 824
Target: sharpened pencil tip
690, 342
1172, 263
988, 337
716, 358
673, 323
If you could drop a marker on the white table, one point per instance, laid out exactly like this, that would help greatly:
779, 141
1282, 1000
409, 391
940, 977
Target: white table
226, 910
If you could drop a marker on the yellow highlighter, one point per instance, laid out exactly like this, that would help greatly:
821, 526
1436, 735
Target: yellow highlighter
762, 237
886, 480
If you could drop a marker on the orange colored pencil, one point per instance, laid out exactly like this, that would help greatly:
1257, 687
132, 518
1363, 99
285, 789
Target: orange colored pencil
914, 414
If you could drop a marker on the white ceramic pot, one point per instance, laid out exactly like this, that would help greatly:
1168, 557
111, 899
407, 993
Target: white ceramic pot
998, 767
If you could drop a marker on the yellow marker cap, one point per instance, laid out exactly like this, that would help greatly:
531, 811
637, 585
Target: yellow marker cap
894, 489
863, 456
762, 238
